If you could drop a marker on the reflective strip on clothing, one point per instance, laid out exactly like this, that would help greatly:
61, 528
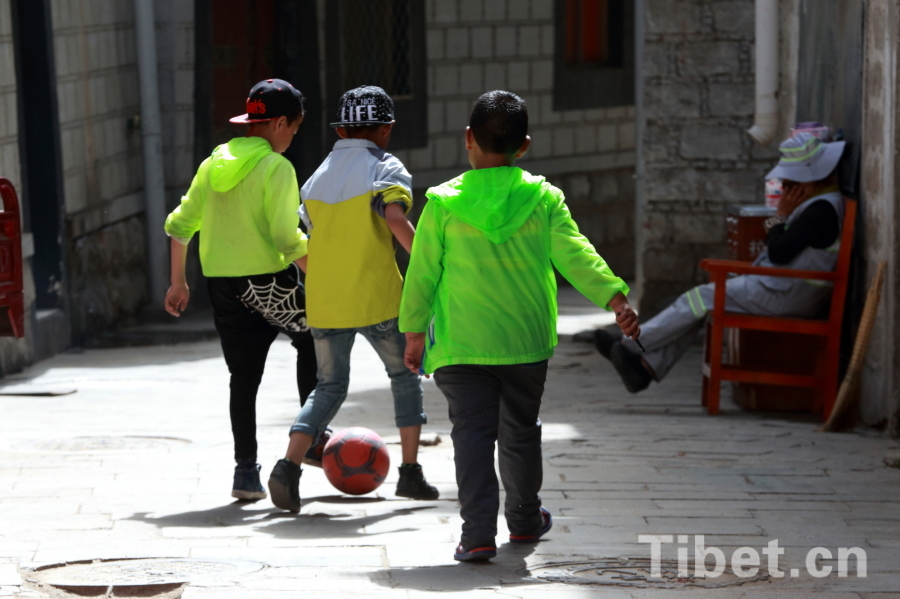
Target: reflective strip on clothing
702, 310
804, 152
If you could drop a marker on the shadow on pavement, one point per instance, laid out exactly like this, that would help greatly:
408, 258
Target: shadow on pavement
342, 499
318, 525
509, 568
271, 520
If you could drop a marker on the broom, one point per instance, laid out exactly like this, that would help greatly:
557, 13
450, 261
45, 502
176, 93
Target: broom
850, 384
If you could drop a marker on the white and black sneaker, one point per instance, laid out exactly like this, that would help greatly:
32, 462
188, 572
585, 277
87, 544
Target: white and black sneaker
246, 481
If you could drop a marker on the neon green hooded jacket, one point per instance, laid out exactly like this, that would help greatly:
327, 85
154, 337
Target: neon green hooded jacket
244, 199
480, 280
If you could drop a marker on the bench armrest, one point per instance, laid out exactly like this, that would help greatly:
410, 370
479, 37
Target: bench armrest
747, 268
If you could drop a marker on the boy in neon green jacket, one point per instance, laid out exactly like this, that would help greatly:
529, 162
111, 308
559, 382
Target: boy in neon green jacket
244, 202
479, 311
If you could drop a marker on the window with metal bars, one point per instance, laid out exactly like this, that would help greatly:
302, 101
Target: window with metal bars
380, 42
594, 54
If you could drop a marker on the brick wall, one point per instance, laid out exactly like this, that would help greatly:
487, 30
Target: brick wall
9, 140
97, 87
697, 158
478, 45
99, 94
175, 50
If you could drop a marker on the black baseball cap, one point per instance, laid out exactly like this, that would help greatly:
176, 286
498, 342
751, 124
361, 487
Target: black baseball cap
365, 105
271, 99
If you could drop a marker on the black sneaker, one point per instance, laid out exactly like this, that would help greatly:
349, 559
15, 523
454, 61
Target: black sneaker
412, 484
314, 455
629, 366
246, 481
603, 341
284, 485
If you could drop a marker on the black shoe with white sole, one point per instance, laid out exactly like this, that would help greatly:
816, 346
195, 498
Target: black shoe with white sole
246, 481
630, 367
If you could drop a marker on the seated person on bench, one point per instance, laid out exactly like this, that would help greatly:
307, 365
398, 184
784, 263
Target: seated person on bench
804, 234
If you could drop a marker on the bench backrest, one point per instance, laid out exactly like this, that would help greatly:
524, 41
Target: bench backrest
842, 272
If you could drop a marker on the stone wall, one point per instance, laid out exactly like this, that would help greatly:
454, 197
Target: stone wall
479, 45
97, 86
696, 156
97, 82
175, 49
107, 277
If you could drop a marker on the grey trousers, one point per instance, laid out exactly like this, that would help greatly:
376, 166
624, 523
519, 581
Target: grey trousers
668, 335
488, 405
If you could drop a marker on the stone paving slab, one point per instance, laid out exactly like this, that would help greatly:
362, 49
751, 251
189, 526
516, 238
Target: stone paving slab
138, 465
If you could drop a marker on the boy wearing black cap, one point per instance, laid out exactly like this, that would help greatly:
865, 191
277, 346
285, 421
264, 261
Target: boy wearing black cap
244, 199
353, 206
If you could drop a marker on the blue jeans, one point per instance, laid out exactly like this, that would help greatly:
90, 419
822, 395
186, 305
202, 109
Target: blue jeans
333, 358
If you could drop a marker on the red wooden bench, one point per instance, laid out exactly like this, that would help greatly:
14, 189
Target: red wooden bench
12, 306
825, 379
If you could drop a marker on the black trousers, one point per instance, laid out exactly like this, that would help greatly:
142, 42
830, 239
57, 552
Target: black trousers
249, 313
488, 405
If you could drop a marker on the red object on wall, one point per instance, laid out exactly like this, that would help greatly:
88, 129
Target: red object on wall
746, 234
12, 304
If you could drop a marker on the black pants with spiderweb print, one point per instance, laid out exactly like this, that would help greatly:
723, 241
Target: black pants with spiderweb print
249, 314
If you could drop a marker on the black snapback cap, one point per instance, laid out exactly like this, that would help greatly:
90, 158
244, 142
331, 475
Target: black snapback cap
271, 99
365, 105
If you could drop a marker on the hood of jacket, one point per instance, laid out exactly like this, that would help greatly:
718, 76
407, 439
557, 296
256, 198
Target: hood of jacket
496, 201
233, 161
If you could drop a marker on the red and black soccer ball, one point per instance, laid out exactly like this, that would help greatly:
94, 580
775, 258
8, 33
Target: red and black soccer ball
356, 461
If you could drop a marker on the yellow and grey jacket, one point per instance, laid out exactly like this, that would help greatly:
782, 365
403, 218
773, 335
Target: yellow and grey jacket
352, 278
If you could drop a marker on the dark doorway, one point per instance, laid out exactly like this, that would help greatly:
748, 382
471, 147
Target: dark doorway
380, 43
40, 157
829, 76
241, 42
829, 89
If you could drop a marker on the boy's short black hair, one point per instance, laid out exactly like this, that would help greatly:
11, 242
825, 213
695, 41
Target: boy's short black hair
361, 131
292, 118
499, 122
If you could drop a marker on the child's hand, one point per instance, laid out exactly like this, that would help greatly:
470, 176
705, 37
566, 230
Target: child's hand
625, 316
628, 322
177, 298
415, 349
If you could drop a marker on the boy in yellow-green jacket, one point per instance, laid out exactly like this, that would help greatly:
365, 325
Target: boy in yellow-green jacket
480, 303
244, 201
354, 206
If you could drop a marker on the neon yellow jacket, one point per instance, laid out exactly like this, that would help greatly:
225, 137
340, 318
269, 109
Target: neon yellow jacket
480, 280
244, 201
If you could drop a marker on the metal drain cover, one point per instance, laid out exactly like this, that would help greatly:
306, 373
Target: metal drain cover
142, 572
633, 572
95, 444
